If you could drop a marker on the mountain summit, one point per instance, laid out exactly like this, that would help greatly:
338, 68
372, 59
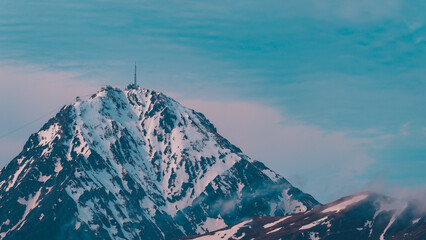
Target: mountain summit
135, 164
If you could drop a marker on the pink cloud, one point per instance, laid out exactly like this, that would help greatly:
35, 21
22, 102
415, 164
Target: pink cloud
320, 160
28, 92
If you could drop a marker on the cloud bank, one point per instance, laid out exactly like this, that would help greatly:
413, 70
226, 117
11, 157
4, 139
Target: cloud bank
322, 162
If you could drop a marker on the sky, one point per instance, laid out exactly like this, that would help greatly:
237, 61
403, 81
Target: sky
330, 94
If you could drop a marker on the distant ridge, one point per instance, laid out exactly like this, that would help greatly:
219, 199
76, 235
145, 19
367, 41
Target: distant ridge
361, 216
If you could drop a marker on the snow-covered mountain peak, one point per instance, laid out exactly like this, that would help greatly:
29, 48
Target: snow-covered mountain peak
135, 163
162, 134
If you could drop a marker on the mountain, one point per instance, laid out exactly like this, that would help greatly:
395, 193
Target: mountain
361, 216
135, 164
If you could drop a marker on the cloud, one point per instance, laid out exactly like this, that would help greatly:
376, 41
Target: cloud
405, 129
354, 11
28, 92
327, 163
415, 195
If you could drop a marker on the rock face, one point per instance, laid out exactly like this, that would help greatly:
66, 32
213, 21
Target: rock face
361, 216
135, 164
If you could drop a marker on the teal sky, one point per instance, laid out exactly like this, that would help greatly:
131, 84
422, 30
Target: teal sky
353, 69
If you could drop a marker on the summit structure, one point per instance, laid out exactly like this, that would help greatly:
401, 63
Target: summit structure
136, 83
135, 164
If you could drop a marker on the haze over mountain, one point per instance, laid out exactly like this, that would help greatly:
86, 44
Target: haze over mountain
135, 164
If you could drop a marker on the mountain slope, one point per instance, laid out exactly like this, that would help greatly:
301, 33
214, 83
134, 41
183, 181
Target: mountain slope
135, 164
361, 216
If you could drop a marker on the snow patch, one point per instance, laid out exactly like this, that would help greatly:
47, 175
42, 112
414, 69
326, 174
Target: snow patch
147, 203
392, 220
340, 206
31, 203
43, 178
273, 176
368, 224
47, 136
77, 225
275, 230
211, 224
415, 221
58, 166
226, 234
15, 176
314, 236
276, 222
313, 224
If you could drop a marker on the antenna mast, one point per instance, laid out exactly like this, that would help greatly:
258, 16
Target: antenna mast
136, 85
